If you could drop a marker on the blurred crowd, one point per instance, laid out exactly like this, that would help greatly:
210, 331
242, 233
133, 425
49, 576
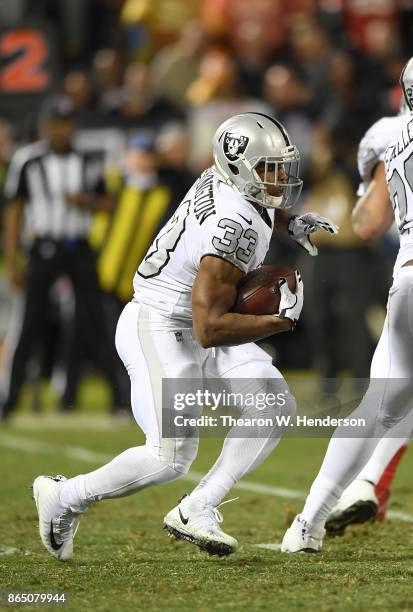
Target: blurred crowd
149, 82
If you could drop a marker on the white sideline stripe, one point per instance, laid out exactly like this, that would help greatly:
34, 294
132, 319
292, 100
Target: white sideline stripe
36, 446
72, 420
8, 550
82, 454
273, 546
256, 487
401, 516
28, 445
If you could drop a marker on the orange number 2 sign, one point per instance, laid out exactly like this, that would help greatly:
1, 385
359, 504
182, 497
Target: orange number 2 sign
26, 72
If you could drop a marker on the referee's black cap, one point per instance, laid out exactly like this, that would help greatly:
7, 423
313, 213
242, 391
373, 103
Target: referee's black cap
57, 107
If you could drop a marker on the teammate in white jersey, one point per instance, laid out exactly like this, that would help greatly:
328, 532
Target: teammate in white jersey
179, 326
387, 403
367, 496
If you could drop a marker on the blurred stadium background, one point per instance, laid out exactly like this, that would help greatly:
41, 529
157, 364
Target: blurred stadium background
149, 83
168, 73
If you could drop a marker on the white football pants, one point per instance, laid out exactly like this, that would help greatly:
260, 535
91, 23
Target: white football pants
386, 406
153, 348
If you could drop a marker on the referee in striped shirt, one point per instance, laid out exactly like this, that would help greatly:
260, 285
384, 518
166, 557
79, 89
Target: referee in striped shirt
54, 189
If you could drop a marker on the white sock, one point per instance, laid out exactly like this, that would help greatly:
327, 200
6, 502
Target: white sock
380, 459
238, 457
346, 456
131, 471
341, 464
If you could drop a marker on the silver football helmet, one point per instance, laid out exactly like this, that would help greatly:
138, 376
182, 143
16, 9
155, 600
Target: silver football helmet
406, 81
246, 140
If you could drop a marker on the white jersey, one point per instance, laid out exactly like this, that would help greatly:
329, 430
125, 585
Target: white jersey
213, 219
373, 146
398, 162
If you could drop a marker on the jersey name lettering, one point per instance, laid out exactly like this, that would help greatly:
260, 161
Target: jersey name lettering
204, 205
401, 145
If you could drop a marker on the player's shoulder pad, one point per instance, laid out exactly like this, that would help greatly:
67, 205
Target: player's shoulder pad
375, 142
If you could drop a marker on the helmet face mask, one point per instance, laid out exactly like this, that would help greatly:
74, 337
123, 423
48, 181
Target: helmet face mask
254, 155
278, 181
406, 81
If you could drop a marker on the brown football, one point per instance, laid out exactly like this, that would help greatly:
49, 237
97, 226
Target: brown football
258, 291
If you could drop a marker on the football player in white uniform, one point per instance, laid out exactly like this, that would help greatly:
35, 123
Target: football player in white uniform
367, 496
387, 403
179, 325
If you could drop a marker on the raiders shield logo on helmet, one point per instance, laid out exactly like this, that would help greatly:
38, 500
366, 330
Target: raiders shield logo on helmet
234, 145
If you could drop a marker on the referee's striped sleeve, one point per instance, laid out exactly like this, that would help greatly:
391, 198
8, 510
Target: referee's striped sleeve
15, 185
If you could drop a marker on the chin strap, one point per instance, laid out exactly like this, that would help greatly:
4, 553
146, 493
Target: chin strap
224, 175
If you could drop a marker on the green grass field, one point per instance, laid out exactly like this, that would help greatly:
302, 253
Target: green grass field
124, 560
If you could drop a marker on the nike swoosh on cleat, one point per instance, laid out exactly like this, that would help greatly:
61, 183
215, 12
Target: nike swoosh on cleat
183, 519
53, 542
249, 221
